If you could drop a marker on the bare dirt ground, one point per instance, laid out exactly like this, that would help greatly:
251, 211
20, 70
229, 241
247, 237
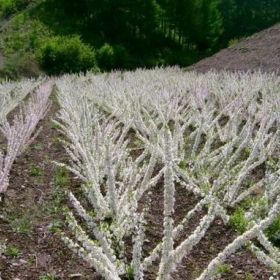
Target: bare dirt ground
258, 52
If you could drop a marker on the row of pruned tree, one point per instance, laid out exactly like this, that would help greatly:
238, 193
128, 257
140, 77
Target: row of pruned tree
129, 132
18, 131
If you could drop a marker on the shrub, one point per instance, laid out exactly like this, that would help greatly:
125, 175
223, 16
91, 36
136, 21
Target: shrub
8, 7
65, 55
23, 35
105, 57
112, 57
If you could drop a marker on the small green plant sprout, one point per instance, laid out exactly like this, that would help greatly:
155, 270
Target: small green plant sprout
55, 205
247, 203
183, 164
246, 152
248, 276
61, 177
238, 220
130, 272
35, 171
260, 207
233, 42
272, 164
273, 232
48, 276
137, 142
54, 125
22, 225
223, 269
55, 226
12, 251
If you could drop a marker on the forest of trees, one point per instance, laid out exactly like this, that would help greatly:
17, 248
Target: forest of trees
205, 24
128, 34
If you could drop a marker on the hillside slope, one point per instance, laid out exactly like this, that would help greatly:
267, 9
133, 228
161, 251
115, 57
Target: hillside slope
258, 52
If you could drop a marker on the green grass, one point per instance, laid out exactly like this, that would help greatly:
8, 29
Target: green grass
223, 269
36, 171
22, 225
238, 221
12, 251
55, 226
54, 125
61, 177
48, 276
248, 276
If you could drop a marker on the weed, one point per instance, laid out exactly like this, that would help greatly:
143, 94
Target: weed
55, 226
273, 232
12, 251
223, 269
130, 272
22, 225
233, 42
183, 164
238, 221
248, 276
54, 125
55, 205
48, 276
35, 171
61, 177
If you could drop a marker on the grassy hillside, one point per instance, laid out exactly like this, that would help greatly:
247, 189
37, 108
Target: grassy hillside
19, 36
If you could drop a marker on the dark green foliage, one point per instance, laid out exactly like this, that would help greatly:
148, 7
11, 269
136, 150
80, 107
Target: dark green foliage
62, 177
113, 57
273, 232
8, 7
106, 57
243, 18
65, 54
238, 221
130, 273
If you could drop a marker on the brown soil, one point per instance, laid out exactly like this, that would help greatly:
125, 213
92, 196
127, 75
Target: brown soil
242, 265
258, 52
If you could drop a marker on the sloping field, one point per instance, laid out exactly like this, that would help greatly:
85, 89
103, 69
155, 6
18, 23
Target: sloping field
152, 174
258, 52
